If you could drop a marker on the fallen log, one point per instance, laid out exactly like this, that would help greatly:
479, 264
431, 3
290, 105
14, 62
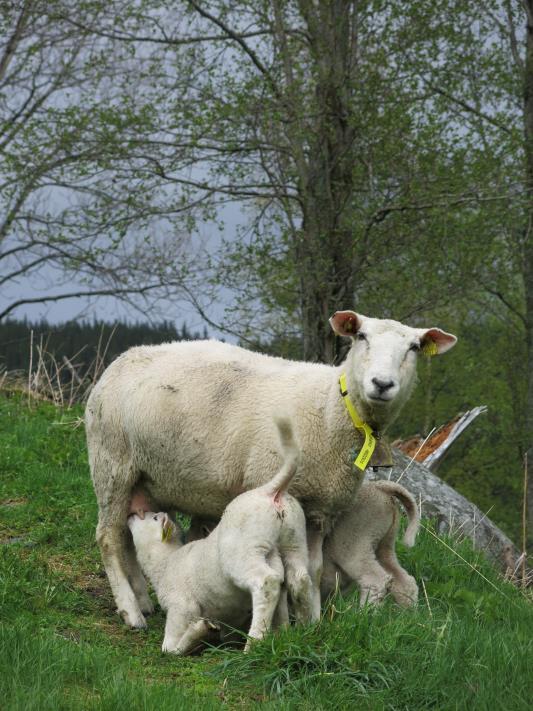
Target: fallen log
453, 513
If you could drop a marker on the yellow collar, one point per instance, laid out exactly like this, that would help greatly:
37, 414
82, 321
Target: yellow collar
362, 459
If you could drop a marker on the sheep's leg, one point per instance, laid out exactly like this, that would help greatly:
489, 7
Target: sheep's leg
110, 538
265, 587
403, 588
315, 539
113, 485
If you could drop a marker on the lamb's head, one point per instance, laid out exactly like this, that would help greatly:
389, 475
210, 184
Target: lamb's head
381, 364
153, 529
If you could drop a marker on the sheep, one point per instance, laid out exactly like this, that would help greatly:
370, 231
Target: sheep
191, 424
259, 543
361, 547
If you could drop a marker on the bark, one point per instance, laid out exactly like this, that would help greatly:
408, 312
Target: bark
528, 260
325, 247
454, 514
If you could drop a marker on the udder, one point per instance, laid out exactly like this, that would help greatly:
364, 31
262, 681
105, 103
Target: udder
141, 502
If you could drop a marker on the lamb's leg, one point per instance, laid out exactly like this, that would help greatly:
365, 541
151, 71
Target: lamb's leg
403, 588
183, 630
299, 584
265, 587
373, 581
195, 632
315, 539
136, 578
281, 615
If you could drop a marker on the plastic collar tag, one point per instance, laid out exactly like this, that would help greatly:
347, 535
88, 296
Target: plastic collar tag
369, 444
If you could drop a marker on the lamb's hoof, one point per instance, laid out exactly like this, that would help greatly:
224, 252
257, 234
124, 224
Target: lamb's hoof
134, 620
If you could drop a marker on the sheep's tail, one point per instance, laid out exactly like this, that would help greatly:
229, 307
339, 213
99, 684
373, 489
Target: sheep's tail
410, 506
291, 457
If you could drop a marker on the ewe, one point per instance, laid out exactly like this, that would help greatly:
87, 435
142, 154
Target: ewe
192, 426
259, 543
361, 550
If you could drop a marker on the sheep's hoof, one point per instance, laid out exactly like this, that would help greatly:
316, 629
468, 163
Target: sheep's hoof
172, 650
147, 606
135, 621
249, 644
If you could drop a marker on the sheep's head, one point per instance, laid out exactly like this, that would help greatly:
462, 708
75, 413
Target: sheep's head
381, 364
153, 528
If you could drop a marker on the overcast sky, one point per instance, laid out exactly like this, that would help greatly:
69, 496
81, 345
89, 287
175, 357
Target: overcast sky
109, 309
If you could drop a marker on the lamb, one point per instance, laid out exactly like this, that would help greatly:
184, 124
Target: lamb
259, 543
361, 547
191, 424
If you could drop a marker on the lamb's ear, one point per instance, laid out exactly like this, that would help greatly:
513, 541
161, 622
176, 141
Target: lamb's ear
167, 528
345, 323
434, 341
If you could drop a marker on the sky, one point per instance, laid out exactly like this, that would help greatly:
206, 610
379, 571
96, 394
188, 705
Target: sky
110, 309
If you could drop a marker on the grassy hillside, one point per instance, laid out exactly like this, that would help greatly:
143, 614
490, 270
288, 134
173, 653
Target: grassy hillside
469, 645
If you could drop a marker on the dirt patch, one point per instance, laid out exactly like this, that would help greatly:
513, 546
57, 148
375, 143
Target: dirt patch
14, 502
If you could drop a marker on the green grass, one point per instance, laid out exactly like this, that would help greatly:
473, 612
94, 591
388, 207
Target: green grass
63, 647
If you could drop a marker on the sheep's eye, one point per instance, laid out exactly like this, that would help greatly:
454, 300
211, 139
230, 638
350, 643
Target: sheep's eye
361, 336
155, 518
414, 347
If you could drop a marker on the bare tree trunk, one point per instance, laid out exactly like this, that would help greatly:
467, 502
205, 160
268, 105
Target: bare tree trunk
528, 259
326, 248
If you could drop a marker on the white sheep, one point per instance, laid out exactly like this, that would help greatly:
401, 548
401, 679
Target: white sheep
240, 566
361, 548
192, 425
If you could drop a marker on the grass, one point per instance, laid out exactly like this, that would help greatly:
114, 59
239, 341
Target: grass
63, 647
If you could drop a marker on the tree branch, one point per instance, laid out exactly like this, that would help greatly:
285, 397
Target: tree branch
471, 109
77, 294
14, 39
239, 40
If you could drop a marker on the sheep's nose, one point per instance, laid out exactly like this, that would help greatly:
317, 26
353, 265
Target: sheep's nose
383, 385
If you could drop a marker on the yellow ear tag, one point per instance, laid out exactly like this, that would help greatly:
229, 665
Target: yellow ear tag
166, 533
430, 348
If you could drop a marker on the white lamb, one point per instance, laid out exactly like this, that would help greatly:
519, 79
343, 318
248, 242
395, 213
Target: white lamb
191, 425
361, 548
259, 543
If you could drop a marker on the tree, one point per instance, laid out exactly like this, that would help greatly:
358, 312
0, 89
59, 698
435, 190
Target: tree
479, 65
303, 113
67, 150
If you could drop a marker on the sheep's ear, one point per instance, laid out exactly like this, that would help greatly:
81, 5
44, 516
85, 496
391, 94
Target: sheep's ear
167, 528
434, 341
345, 323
